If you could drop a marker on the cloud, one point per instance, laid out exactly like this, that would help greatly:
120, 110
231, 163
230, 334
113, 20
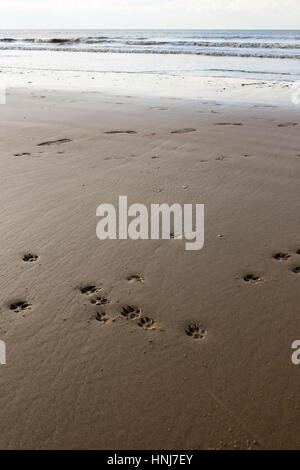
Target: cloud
292, 6
190, 5
149, 13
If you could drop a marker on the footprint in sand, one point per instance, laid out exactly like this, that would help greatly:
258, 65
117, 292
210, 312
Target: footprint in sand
89, 290
264, 106
252, 278
136, 278
23, 154
288, 124
100, 300
281, 256
298, 252
228, 124
120, 132
222, 159
131, 312
146, 323
296, 270
183, 131
20, 306
195, 331
30, 258
101, 317
53, 142
159, 109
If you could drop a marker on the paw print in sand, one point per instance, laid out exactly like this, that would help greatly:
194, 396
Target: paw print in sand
146, 323
195, 331
131, 312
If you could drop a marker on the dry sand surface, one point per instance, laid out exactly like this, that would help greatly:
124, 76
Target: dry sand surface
79, 373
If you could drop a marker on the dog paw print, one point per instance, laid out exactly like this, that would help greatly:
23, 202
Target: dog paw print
282, 256
20, 306
101, 317
146, 323
195, 331
136, 278
131, 312
89, 290
252, 278
100, 300
29, 258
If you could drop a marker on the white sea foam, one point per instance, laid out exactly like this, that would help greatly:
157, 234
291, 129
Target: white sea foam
276, 44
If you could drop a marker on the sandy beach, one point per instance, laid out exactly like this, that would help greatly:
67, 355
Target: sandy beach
80, 372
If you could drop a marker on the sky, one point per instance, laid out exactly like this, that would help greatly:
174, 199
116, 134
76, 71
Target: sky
140, 14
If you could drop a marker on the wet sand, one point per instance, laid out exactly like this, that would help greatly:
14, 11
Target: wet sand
203, 360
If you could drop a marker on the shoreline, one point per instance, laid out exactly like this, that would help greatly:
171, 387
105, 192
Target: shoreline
149, 75
234, 92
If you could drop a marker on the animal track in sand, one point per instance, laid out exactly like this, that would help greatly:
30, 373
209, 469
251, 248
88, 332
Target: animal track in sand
101, 317
146, 323
252, 278
288, 124
89, 290
195, 331
101, 300
20, 306
221, 159
281, 256
120, 132
159, 109
136, 278
264, 106
53, 142
187, 130
23, 154
131, 311
30, 258
296, 270
228, 124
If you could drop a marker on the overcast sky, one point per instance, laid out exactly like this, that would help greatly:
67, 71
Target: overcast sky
150, 14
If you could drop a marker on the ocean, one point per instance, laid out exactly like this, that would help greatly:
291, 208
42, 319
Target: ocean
267, 54
243, 43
